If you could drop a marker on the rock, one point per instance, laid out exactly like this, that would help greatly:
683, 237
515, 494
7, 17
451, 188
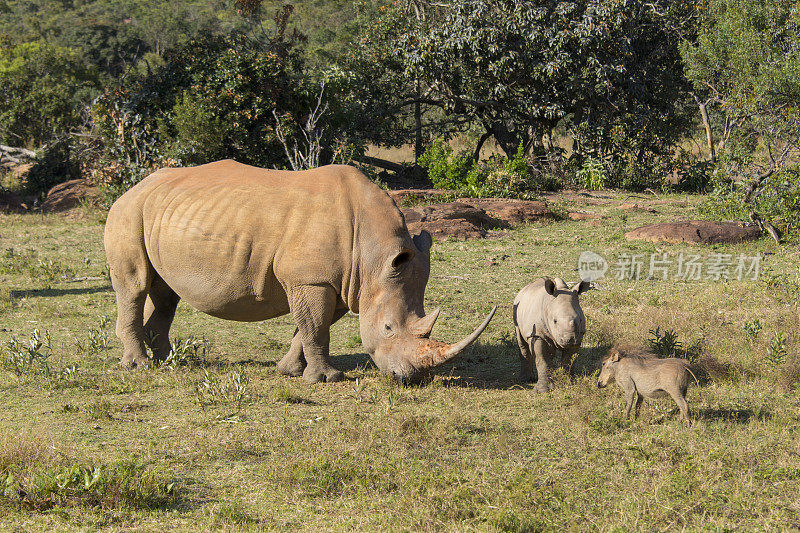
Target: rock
697, 231
453, 219
512, 212
69, 194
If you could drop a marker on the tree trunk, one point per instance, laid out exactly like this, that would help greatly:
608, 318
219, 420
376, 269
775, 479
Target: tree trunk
707, 126
418, 146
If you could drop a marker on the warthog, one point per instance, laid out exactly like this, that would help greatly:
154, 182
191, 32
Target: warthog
641, 374
548, 317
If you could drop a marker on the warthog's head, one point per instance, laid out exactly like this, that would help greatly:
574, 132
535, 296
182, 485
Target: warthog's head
395, 330
609, 369
563, 315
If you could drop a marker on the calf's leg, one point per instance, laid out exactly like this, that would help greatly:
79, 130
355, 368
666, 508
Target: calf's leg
544, 353
525, 358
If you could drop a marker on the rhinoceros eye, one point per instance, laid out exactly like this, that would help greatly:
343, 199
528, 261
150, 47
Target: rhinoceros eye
387, 330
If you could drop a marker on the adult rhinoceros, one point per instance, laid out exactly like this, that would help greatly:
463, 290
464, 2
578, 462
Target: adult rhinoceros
245, 243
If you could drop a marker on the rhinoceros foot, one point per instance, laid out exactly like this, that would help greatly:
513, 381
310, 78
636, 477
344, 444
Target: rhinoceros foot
322, 374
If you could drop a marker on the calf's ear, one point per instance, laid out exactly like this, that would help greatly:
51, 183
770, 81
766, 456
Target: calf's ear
550, 286
582, 287
615, 356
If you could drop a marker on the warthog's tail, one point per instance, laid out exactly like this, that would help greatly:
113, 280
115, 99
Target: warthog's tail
689, 369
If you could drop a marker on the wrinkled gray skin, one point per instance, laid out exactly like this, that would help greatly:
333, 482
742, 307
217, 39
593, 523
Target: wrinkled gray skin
641, 376
244, 243
548, 317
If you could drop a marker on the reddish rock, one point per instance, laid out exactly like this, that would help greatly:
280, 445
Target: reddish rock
68, 195
512, 212
453, 219
697, 231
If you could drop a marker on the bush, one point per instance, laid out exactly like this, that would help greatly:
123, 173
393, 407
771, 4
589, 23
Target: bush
54, 164
497, 176
778, 201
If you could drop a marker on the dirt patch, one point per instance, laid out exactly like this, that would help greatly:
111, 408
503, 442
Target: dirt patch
68, 195
696, 231
471, 218
637, 207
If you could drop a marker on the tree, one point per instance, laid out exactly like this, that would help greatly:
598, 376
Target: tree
44, 87
747, 58
514, 70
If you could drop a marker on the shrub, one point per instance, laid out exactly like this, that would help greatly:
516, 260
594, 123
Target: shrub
497, 176
593, 174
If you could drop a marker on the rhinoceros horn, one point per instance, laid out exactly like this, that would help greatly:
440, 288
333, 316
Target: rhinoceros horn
434, 353
422, 327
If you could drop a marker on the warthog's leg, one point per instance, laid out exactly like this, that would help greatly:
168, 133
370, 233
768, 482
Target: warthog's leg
159, 311
525, 358
294, 362
131, 278
313, 308
680, 399
639, 399
544, 354
631, 397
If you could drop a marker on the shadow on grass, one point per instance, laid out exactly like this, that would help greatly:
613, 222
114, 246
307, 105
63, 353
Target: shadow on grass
732, 415
50, 292
497, 365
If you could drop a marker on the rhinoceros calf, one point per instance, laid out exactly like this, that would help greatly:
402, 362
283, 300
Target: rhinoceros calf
640, 374
247, 244
548, 317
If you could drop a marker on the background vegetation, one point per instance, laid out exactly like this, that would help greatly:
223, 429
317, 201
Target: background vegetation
697, 95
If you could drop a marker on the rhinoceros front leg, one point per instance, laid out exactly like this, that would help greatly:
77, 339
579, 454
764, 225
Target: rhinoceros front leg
544, 354
526, 373
314, 308
294, 362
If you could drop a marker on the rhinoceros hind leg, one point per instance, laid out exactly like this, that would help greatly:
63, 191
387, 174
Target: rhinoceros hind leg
131, 292
314, 309
159, 311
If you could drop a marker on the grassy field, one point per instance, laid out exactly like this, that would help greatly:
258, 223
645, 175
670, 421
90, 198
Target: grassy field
218, 440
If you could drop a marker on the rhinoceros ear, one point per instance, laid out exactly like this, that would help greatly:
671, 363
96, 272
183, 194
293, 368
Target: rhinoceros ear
402, 257
582, 287
423, 241
550, 286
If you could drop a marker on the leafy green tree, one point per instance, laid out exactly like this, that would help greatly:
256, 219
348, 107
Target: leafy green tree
44, 87
514, 71
747, 58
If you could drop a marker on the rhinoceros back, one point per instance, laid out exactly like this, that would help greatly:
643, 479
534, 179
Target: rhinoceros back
232, 239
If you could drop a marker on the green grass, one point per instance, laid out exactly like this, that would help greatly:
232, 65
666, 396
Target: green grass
218, 440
